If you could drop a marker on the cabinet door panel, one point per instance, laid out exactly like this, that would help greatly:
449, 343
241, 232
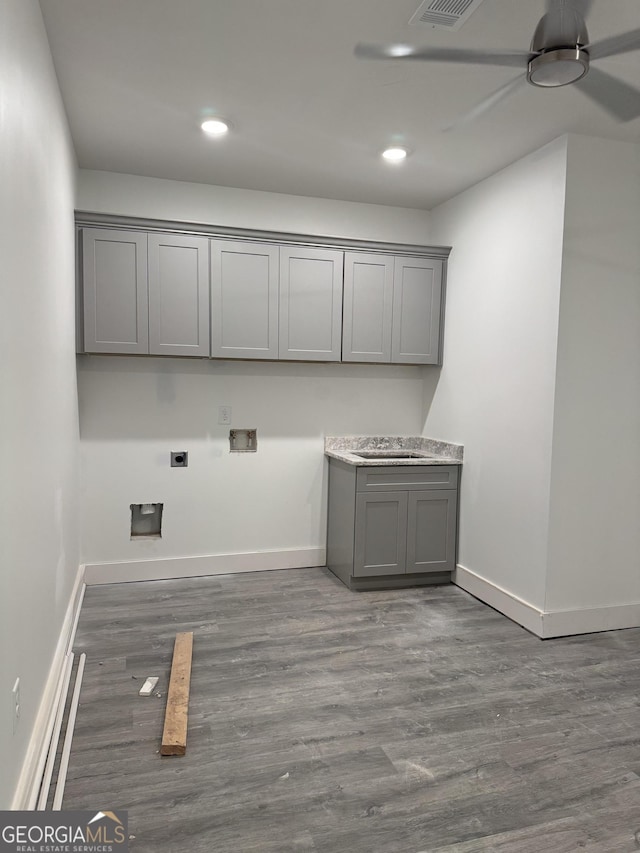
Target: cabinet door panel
178, 295
114, 276
381, 534
367, 306
310, 304
244, 294
431, 531
417, 296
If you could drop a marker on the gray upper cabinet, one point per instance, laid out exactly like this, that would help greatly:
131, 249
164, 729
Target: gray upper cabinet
114, 275
145, 293
392, 309
310, 304
178, 295
367, 308
244, 299
226, 295
417, 299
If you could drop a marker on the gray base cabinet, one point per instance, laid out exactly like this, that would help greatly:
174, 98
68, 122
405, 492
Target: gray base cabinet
392, 525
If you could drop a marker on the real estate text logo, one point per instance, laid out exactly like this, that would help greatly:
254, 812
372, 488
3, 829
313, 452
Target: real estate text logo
64, 832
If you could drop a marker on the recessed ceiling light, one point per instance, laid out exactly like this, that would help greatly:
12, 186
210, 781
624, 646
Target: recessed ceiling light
400, 50
395, 154
215, 126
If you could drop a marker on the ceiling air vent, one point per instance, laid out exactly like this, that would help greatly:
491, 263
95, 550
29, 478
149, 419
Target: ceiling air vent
445, 14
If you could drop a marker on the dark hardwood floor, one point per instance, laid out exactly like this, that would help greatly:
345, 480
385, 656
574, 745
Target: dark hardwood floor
412, 721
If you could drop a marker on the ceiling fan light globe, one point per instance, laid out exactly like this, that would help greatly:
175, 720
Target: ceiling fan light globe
558, 67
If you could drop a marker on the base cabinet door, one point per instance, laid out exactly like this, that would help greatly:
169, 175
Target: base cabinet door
178, 295
380, 534
431, 531
114, 276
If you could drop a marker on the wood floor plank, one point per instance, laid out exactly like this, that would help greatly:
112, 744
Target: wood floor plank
322, 720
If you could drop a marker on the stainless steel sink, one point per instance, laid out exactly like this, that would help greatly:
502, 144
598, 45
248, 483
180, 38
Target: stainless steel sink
391, 454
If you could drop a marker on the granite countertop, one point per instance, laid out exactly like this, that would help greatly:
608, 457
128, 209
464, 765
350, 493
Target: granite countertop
432, 451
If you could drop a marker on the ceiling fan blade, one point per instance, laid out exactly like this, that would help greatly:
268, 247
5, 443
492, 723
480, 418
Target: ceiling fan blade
488, 103
624, 43
618, 98
511, 59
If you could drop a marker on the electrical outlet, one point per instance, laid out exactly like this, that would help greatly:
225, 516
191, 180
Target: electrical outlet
179, 459
224, 414
15, 704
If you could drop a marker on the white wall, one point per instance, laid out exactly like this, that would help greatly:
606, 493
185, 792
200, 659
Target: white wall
39, 422
108, 192
594, 549
135, 411
495, 393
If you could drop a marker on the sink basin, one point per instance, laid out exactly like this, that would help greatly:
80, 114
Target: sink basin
391, 454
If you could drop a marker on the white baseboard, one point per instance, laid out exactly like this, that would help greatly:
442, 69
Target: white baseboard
212, 564
565, 623
547, 623
33, 765
515, 608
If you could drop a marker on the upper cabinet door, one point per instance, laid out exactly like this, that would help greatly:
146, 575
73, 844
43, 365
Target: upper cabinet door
244, 300
368, 303
417, 298
114, 275
178, 295
310, 304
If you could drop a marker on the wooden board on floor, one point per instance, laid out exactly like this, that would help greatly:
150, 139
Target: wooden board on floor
174, 736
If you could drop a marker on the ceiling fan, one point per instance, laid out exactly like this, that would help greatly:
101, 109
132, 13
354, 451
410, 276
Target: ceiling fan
560, 54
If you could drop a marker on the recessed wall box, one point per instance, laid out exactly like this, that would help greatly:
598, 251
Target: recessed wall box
146, 521
179, 459
243, 440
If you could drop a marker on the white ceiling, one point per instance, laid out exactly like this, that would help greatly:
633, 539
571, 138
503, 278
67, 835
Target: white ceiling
308, 117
